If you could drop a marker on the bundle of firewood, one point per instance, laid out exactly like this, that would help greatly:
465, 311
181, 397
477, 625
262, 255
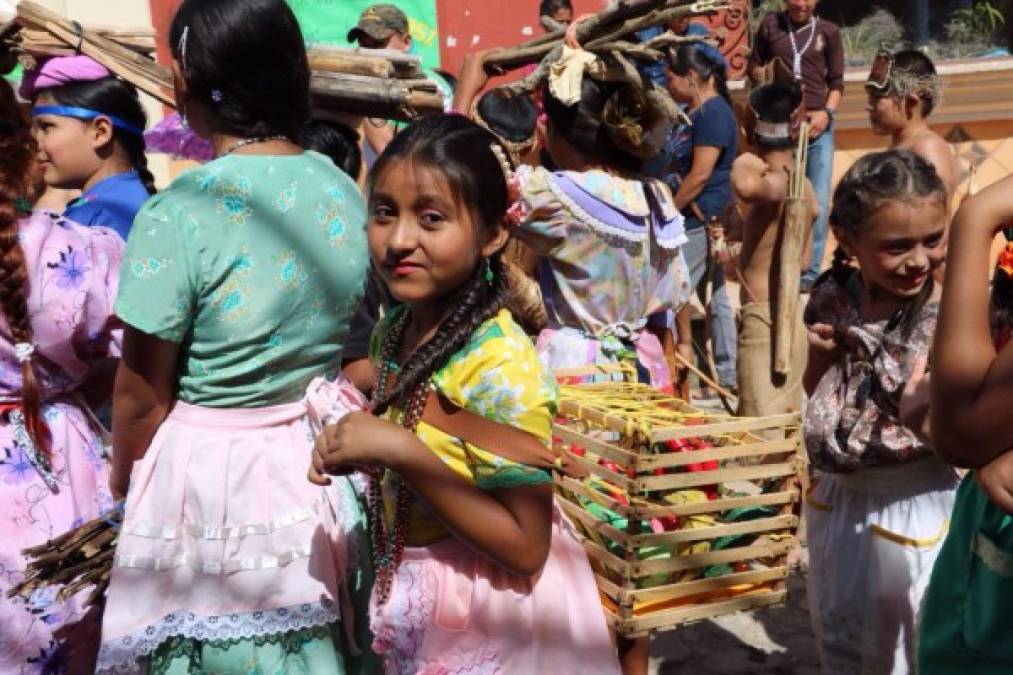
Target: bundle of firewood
38, 33
75, 560
605, 33
373, 83
354, 82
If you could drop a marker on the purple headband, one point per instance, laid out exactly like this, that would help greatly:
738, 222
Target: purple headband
61, 70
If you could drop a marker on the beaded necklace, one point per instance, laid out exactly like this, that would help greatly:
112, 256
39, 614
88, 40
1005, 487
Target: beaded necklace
388, 543
796, 63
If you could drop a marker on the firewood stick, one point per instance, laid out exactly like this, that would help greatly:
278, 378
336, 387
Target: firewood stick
609, 25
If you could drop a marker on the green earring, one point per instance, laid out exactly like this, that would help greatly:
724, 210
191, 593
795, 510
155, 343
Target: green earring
488, 274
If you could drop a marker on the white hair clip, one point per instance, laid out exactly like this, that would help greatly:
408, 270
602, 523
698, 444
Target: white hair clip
24, 351
181, 47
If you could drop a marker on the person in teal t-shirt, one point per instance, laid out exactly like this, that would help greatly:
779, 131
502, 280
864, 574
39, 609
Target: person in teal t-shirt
236, 288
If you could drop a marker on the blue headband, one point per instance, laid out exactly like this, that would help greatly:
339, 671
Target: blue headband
86, 114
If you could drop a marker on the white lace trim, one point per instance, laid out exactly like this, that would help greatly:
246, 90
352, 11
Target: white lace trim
252, 563
672, 242
215, 532
122, 655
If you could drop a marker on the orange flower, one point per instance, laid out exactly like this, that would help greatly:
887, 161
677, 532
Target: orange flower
1006, 260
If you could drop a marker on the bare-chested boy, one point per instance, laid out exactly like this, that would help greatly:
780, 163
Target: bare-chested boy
761, 183
903, 89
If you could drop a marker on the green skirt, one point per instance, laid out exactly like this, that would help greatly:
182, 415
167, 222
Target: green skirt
967, 616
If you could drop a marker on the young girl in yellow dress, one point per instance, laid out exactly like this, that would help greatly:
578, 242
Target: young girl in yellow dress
476, 570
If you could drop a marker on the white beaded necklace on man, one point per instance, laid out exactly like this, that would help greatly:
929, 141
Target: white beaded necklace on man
796, 65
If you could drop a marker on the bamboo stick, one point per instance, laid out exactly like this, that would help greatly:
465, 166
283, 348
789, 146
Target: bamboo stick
792, 236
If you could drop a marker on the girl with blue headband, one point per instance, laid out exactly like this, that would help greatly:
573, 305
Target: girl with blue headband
90, 125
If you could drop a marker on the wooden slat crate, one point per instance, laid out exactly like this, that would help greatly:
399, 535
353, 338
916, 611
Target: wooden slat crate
685, 515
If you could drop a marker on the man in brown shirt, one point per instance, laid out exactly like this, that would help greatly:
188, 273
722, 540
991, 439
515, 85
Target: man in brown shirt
811, 47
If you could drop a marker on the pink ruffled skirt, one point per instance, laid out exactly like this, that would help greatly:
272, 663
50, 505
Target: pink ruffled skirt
452, 612
224, 537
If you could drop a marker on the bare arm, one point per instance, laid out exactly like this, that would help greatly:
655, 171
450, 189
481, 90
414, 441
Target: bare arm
755, 183
705, 158
510, 527
471, 81
972, 386
142, 396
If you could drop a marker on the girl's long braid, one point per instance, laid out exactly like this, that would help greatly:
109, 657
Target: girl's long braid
133, 145
478, 302
20, 185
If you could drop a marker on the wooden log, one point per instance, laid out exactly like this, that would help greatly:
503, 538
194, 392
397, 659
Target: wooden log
423, 84
372, 97
323, 61
406, 66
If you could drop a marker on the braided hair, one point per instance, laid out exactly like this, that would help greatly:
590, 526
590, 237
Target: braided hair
21, 185
113, 96
874, 181
462, 151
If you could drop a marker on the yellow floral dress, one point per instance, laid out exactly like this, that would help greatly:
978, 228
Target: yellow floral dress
496, 375
449, 609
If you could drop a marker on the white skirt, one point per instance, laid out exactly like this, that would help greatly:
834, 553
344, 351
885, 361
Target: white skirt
873, 538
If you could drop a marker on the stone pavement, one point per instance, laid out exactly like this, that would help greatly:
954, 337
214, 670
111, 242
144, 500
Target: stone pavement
767, 641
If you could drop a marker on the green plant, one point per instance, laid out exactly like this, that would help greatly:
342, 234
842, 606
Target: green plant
975, 24
760, 10
877, 30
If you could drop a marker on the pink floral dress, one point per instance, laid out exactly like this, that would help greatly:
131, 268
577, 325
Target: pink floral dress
73, 274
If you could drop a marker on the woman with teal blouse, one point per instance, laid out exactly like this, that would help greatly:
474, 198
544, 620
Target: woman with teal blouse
237, 288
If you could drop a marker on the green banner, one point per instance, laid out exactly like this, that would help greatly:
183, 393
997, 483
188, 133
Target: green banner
328, 22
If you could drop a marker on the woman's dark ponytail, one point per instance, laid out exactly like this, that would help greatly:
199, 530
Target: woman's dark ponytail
720, 75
